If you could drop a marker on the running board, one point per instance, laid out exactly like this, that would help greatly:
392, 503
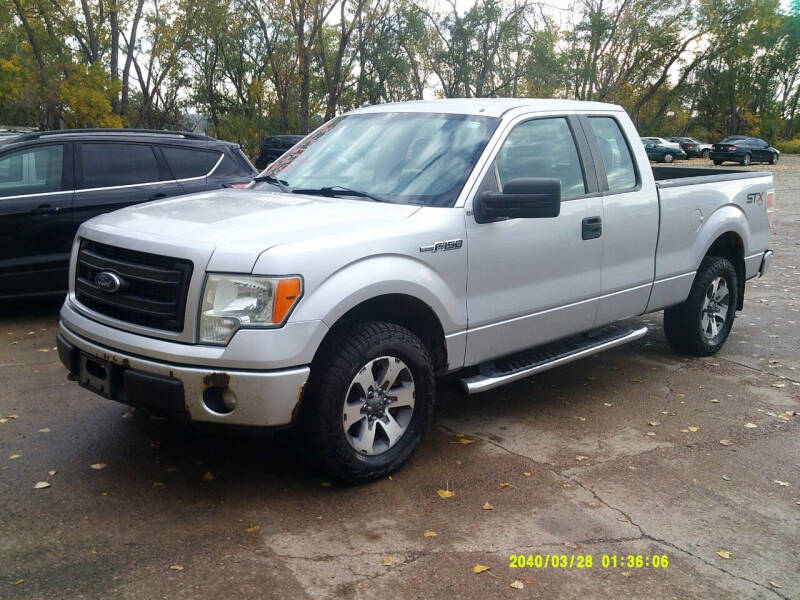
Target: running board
528, 362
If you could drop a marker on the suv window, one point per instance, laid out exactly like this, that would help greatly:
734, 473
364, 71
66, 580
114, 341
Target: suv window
186, 163
616, 155
113, 164
34, 170
542, 148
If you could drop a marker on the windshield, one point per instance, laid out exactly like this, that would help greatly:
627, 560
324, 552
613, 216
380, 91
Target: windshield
402, 157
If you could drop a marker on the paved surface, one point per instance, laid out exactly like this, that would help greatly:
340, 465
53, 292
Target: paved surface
178, 514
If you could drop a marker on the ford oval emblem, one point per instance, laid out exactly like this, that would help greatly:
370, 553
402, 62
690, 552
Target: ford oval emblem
107, 281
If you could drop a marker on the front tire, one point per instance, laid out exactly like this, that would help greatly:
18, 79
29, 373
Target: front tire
705, 154
700, 325
370, 400
774, 159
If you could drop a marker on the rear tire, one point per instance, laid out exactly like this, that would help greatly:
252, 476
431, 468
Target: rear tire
668, 158
700, 325
746, 160
718, 162
705, 154
774, 159
364, 352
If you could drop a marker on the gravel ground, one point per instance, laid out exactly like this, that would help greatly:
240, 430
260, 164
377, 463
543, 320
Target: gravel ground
618, 454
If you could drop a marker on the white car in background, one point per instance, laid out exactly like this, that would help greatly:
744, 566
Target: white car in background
662, 141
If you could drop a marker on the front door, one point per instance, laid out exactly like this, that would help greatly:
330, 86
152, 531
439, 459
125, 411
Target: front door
531, 281
35, 220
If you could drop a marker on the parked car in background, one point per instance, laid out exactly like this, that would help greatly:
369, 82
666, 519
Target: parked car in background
660, 153
693, 147
663, 141
52, 181
273, 147
744, 150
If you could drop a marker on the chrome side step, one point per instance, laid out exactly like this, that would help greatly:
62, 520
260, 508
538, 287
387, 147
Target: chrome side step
528, 362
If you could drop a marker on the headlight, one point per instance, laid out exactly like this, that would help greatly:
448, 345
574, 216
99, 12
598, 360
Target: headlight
231, 302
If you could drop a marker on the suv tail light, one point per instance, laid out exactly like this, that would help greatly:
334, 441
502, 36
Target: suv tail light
770, 208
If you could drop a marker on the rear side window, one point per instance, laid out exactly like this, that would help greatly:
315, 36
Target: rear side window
542, 148
229, 167
109, 165
186, 163
32, 171
615, 153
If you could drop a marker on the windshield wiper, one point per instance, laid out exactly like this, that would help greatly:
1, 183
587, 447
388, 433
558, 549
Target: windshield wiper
274, 181
339, 190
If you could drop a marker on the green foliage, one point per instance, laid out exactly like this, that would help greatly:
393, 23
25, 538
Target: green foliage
86, 95
789, 146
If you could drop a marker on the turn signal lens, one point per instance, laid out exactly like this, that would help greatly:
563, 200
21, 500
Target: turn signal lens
288, 292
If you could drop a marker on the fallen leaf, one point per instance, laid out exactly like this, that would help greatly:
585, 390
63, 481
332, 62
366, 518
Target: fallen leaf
465, 442
607, 404
323, 483
176, 567
653, 423
429, 533
44, 430
504, 485
127, 415
693, 428
651, 433
775, 585
41, 485
158, 484
725, 442
487, 506
52, 472
12, 416
517, 585
3, 420
715, 401
726, 477
724, 553
207, 476
19, 582
580, 458
253, 529
98, 466
480, 568
388, 560
527, 474
13, 456
781, 483
570, 545
459, 435
581, 418
445, 493
750, 425
779, 385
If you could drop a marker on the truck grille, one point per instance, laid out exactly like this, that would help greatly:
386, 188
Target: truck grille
153, 288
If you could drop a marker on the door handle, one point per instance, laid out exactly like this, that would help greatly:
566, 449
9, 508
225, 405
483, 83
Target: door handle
46, 209
158, 196
591, 228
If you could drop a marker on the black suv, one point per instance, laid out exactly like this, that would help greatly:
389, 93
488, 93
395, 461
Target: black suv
273, 147
52, 181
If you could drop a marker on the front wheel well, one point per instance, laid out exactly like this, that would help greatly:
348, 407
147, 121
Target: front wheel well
729, 245
401, 309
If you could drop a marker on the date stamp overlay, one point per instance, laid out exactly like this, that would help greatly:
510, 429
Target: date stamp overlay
588, 561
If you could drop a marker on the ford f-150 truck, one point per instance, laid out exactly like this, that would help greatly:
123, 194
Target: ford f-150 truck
397, 243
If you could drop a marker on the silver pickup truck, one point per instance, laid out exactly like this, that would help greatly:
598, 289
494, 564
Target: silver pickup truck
396, 243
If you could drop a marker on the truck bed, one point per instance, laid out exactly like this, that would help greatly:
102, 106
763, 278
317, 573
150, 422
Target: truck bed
680, 176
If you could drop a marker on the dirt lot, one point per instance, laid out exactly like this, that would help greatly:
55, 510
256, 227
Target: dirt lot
619, 454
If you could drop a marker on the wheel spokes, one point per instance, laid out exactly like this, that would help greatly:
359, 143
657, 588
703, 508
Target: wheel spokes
352, 413
402, 396
390, 372
393, 430
365, 441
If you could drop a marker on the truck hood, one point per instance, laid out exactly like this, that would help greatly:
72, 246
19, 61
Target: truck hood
238, 225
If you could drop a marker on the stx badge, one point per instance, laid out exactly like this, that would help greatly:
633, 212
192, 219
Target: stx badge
755, 197
442, 246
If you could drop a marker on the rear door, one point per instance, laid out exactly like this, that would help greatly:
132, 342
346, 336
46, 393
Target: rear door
531, 281
113, 174
35, 220
630, 218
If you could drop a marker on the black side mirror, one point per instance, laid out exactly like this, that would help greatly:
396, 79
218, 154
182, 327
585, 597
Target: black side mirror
524, 198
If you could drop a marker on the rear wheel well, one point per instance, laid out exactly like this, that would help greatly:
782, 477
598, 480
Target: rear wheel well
729, 245
401, 309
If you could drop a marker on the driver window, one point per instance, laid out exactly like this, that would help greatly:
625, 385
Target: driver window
540, 148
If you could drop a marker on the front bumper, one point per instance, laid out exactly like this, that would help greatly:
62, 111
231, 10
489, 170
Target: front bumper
260, 398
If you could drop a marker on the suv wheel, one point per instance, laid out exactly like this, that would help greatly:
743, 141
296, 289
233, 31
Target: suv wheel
370, 400
701, 324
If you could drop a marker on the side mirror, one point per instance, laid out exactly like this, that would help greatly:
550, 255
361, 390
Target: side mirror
524, 198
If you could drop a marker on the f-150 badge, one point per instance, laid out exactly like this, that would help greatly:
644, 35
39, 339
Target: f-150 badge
442, 246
